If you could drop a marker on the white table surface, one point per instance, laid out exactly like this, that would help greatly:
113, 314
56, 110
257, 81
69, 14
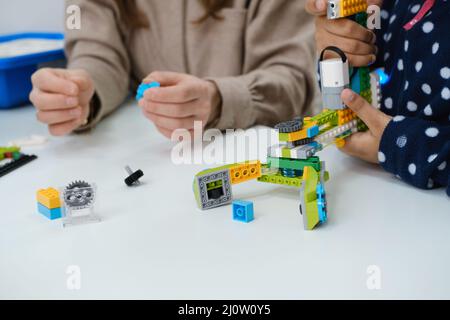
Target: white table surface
154, 243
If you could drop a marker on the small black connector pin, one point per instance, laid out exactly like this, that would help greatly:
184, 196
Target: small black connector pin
133, 178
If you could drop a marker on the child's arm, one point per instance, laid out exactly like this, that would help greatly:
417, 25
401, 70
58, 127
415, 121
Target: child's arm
416, 145
414, 149
99, 49
418, 151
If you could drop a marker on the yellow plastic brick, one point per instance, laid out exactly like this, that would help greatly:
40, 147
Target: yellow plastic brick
351, 7
340, 143
345, 116
49, 198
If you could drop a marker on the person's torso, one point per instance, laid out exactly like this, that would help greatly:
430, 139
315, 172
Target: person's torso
416, 60
175, 42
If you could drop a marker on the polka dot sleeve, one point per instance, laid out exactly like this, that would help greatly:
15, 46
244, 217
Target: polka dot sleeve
415, 145
417, 151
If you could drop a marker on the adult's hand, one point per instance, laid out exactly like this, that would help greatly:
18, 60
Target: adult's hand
62, 98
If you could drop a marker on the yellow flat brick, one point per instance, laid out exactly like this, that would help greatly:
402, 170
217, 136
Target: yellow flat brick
298, 135
49, 198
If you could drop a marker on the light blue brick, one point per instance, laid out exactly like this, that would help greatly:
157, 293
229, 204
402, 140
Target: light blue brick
313, 131
356, 83
52, 214
321, 203
144, 87
243, 211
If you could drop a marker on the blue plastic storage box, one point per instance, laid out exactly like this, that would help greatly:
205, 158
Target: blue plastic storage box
16, 71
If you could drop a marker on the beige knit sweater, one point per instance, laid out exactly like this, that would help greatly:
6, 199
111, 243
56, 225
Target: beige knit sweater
261, 56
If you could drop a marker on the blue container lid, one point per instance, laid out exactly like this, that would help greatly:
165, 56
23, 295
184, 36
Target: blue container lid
34, 58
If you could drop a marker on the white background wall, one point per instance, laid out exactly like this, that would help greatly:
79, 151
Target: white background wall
31, 15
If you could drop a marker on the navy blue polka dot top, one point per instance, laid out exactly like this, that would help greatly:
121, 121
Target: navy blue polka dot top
416, 144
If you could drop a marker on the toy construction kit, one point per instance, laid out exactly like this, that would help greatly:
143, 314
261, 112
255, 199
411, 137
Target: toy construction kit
293, 162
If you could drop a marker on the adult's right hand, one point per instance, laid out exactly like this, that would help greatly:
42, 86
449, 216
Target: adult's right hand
62, 98
357, 42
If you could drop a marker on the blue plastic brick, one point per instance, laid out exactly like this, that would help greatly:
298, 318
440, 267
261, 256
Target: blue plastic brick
321, 203
52, 214
355, 84
144, 87
243, 211
313, 131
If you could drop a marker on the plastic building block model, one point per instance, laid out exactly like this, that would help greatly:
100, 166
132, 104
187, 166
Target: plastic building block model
79, 198
344, 8
144, 87
243, 211
133, 177
49, 203
287, 165
9, 152
293, 161
13, 159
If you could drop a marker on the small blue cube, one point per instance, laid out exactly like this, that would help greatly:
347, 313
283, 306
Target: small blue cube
144, 87
51, 214
243, 211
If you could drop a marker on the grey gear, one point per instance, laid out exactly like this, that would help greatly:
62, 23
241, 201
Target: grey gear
290, 126
78, 194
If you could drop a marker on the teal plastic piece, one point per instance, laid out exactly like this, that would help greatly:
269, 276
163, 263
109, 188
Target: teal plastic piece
51, 214
144, 87
356, 83
321, 203
243, 211
360, 81
313, 131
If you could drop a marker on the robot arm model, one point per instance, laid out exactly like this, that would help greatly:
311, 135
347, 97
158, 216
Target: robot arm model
293, 162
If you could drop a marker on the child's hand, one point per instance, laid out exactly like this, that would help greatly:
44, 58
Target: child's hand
181, 100
365, 145
62, 98
357, 42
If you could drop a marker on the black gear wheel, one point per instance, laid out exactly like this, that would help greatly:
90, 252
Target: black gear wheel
290, 126
78, 194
